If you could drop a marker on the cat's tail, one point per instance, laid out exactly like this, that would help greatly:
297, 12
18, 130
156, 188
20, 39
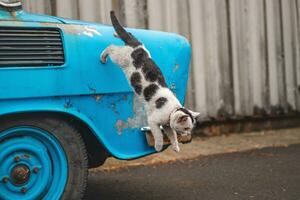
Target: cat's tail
127, 37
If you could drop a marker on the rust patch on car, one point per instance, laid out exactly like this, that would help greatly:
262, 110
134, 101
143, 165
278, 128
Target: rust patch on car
181, 139
114, 108
120, 125
26, 156
75, 29
13, 14
139, 118
98, 97
68, 104
176, 67
11, 23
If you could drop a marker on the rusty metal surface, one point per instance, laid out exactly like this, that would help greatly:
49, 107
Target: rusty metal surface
180, 138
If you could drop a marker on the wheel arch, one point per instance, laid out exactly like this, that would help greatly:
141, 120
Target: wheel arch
97, 153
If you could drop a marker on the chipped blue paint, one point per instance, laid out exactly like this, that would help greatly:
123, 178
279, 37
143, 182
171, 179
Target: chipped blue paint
97, 94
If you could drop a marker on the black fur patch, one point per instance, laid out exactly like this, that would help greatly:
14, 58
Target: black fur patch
136, 82
138, 89
152, 73
139, 57
160, 102
150, 91
133, 42
150, 70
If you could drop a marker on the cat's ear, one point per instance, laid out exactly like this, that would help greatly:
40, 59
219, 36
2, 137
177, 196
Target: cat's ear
182, 118
194, 114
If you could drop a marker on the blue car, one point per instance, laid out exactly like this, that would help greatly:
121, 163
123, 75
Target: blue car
61, 110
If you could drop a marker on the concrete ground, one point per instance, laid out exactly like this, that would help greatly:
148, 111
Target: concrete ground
261, 165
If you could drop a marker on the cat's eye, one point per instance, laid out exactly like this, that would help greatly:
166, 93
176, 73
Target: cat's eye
186, 129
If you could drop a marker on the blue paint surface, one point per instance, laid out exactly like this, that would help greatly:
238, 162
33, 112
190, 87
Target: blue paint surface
83, 87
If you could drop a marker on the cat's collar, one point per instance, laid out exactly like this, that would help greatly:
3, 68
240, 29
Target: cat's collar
184, 110
175, 110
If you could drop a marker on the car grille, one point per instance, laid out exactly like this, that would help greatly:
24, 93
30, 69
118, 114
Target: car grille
30, 47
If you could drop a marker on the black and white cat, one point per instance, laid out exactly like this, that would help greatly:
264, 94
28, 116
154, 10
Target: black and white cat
161, 105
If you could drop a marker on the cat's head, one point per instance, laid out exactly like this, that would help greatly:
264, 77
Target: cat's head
183, 120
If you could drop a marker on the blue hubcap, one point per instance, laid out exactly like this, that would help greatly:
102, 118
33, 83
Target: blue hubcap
33, 165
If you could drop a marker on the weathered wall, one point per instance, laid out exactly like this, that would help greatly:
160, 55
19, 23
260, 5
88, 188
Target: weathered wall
245, 53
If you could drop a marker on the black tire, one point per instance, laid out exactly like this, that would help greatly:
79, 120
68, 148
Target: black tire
70, 140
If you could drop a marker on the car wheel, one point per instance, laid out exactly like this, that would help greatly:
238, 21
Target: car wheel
41, 157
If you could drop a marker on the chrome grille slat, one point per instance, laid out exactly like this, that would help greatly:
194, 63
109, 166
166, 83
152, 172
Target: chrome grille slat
28, 39
21, 30
16, 43
9, 48
12, 53
32, 58
26, 63
29, 34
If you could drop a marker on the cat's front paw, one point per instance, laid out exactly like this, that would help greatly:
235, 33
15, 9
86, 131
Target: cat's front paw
158, 146
103, 58
176, 148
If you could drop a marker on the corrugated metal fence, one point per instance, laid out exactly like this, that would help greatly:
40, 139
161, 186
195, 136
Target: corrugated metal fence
245, 53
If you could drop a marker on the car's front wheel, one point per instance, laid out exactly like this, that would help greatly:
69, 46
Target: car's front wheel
41, 157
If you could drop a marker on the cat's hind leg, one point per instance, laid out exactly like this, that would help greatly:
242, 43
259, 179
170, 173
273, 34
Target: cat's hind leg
158, 136
172, 135
104, 55
120, 55
106, 52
